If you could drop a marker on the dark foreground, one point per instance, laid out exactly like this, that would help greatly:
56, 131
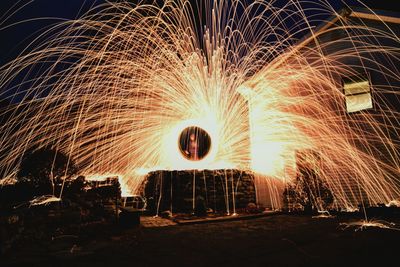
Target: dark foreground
275, 240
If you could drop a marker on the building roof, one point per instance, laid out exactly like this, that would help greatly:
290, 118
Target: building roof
375, 14
344, 13
351, 12
347, 12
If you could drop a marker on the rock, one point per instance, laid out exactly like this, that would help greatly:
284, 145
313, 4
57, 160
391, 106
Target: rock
200, 207
252, 208
176, 189
166, 214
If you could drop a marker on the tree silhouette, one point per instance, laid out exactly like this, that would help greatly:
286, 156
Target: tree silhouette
45, 169
308, 191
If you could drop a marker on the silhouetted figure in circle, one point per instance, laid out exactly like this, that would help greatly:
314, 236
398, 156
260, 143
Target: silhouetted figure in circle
194, 143
193, 148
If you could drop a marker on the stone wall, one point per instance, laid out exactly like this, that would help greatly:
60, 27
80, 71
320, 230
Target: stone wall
196, 191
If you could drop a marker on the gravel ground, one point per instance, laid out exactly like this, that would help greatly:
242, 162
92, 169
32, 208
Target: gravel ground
276, 240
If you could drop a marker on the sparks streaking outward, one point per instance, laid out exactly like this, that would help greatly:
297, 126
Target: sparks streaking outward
118, 86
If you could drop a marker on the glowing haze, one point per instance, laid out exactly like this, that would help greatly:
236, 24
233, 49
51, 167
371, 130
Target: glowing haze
117, 86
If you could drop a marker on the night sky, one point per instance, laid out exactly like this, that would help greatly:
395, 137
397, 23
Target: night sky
15, 38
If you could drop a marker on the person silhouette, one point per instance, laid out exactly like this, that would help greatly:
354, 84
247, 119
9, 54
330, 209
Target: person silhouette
193, 148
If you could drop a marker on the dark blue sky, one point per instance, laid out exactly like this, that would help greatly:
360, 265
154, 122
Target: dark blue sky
13, 39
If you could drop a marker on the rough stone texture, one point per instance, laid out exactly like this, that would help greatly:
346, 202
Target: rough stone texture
216, 190
83, 202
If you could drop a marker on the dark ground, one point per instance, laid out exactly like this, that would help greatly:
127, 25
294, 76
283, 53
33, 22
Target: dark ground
274, 240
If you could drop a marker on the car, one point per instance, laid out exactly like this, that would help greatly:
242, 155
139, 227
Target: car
134, 201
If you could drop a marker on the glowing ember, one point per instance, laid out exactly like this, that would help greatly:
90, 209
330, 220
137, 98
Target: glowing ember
364, 224
44, 200
323, 215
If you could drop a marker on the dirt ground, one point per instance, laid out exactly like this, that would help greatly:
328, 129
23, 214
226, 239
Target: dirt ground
275, 240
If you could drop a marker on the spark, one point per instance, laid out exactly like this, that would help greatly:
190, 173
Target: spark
323, 215
393, 203
364, 224
44, 200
